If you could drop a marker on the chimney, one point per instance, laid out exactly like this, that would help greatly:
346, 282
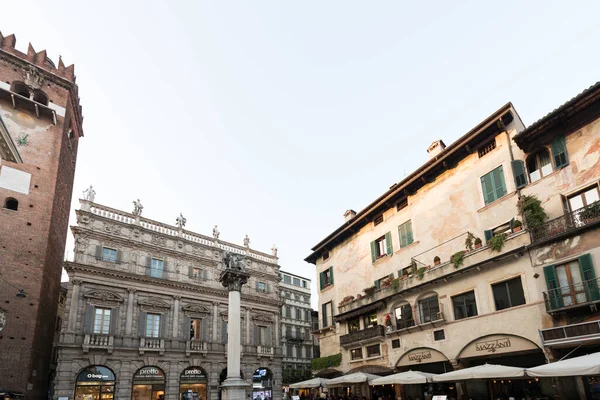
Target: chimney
436, 148
348, 215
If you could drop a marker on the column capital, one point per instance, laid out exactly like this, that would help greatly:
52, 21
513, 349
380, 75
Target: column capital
233, 279
131, 290
216, 303
176, 297
76, 281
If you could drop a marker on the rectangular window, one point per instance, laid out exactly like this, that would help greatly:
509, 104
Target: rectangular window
493, 186
327, 315
298, 314
290, 351
483, 150
287, 279
396, 344
370, 320
464, 305
402, 204
353, 325
380, 247
582, 199
326, 256
356, 354
156, 270
58, 324
109, 255
296, 282
261, 287
262, 335
303, 284
195, 329
326, 278
508, 294
378, 219
288, 312
429, 309
404, 317
196, 273
439, 335
152, 325
405, 234
373, 351
102, 321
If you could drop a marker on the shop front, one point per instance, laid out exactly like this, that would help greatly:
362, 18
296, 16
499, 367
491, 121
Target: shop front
148, 384
262, 384
507, 350
425, 359
95, 383
193, 384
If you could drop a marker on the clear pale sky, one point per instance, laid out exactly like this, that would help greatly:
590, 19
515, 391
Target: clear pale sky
271, 118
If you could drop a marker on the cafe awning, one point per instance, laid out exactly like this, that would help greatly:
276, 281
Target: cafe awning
584, 365
357, 377
486, 371
404, 378
311, 383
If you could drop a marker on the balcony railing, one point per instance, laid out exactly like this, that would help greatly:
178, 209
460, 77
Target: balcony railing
566, 224
373, 332
571, 296
98, 341
195, 346
571, 334
295, 337
265, 351
152, 344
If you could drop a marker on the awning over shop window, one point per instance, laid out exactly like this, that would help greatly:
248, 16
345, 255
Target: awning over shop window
578, 366
487, 371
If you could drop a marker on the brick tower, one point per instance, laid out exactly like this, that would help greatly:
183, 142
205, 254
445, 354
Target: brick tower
40, 126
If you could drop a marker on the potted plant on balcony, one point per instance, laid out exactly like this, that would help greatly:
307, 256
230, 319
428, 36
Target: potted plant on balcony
436, 261
370, 290
396, 284
534, 215
497, 241
469, 241
590, 212
421, 273
457, 258
517, 226
387, 282
346, 300
477, 243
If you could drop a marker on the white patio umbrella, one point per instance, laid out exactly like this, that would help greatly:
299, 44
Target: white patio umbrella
403, 378
311, 383
584, 365
357, 377
486, 371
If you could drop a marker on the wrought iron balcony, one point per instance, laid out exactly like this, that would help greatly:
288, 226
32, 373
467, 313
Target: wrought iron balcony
295, 337
572, 296
571, 334
567, 224
367, 334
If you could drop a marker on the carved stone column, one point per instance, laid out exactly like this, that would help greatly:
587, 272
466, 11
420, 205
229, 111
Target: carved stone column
129, 317
248, 325
74, 305
215, 323
176, 299
233, 277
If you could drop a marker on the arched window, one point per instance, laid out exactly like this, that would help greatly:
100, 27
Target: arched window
20, 88
40, 97
11, 204
403, 316
539, 165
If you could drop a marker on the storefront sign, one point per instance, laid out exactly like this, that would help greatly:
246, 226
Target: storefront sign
491, 346
149, 374
193, 374
496, 344
96, 374
421, 356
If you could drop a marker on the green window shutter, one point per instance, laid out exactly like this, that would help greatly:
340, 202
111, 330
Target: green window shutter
190, 272
388, 244
187, 327
488, 235
148, 266
204, 330
589, 276
409, 233
321, 280
554, 295
162, 326
324, 315
559, 152
114, 321
376, 284
498, 181
518, 168
119, 257
331, 275
142, 324
88, 323
487, 188
98, 252
402, 236
373, 252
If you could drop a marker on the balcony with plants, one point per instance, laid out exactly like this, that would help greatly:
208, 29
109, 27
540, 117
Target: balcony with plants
576, 221
369, 334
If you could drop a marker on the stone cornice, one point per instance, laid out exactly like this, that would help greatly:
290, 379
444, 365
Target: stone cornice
125, 277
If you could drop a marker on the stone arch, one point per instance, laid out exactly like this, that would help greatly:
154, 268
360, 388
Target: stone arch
419, 354
20, 88
10, 203
372, 369
40, 97
497, 343
426, 295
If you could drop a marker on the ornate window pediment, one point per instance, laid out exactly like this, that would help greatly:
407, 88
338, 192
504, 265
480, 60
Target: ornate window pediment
103, 295
262, 318
152, 303
196, 309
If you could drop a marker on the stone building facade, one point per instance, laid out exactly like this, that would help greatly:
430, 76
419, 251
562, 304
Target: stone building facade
40, 127
405, 283
297, 346
147, 316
